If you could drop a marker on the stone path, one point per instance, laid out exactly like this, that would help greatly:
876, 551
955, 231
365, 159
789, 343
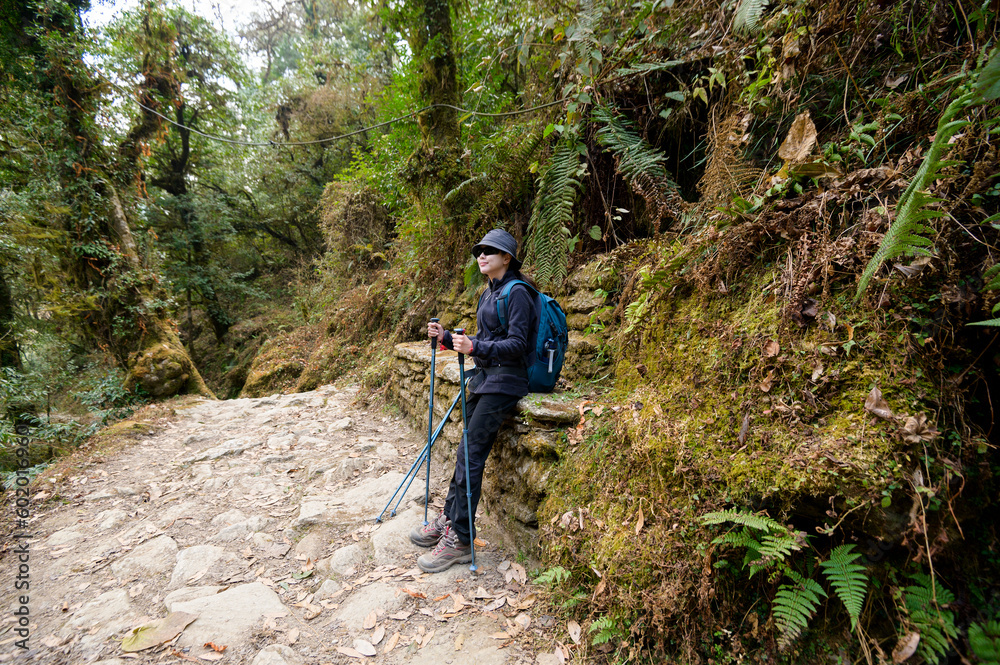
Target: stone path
254, 517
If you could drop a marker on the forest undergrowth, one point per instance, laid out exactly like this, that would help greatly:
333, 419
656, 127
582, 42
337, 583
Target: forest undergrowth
793, 207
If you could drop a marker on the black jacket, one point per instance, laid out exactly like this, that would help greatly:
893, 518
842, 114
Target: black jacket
492, 348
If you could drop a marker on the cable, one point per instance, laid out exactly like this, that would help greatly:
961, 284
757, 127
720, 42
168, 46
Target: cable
342, 136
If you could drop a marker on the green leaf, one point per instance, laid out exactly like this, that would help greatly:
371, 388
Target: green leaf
595, 232
676, 95
988, 84
848, 578
549, 128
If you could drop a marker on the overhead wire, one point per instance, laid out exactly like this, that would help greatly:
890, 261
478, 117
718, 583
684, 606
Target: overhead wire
331, 139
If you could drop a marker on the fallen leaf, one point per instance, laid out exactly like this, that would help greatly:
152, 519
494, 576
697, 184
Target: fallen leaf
877, 406
905, 647
348, 651
215, 647
765, 385
459, 641
800, 139
211, 656
523, 620
560, 656
499, 636
481, 594
639, 522
440, 598
292, 636
817, 371
157, 632
391, 644
427, 639
458, 602
415, 594
771, 348
574, 631
400, 616
378, 635
526, 602
370, 621
917, 430
365, 648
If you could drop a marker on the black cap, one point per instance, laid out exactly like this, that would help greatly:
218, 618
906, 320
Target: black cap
501, 240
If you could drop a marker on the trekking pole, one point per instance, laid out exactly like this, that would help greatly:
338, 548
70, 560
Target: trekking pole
415, 467
465, 441
430, 425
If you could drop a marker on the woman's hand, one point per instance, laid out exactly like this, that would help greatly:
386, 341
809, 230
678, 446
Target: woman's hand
435, 330
462, 343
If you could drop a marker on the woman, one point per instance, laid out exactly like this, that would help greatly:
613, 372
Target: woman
501, 379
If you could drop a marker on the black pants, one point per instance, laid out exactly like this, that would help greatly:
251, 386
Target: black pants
485, 414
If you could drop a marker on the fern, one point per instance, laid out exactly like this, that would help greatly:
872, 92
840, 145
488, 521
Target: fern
554, 576
753, 520
935, 625
992, 279
848, 579
748, 14
794, 605
547, 244
984, 641
637, 161
606, 628
907, 234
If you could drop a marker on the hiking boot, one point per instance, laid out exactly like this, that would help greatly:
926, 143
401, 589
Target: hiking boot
428, 535
449, 550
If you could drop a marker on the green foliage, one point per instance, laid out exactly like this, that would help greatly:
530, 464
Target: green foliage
794, 605
984, 641
550, 240
553, 576
770, 545
748, 15
908, 233
848, 579
640, 164
606, 629
925, 603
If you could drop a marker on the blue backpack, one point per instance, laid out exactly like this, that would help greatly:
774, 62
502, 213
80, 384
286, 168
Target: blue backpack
551, 338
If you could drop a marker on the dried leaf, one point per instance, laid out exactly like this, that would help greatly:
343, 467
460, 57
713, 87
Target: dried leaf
574, 631
157, 632
400, 616
639, 522
905, 647
365, 648
560, 656
526, 602
771, 348
458, 602
370, 621
877, 406
292, 637
765, 385
348, 651
800, 139
378, 635
523, 620
391, 644
481, 594
459, 641
500, 636
817, 371
415, 594
427, 639
917, 430
211, 656
215, 647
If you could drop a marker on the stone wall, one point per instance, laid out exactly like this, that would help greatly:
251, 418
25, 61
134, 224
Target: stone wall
530, 442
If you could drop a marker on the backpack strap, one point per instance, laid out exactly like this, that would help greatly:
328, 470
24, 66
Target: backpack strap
502, 301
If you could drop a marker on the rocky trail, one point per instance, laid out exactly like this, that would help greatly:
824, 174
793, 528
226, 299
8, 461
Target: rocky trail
247, 525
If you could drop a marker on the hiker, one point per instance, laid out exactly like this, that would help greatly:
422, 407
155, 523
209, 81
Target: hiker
500, 380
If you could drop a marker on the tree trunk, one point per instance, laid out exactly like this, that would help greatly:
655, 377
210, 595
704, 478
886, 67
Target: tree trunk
437, 162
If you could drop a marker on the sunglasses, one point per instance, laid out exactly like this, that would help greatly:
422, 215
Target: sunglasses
488, 251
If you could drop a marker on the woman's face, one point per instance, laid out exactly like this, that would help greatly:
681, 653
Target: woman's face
493, 265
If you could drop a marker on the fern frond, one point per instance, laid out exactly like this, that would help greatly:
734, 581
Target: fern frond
746, 20
475, 182
848, 579
793, 606
984, 641
757, 521
924, 603
907, 234
647, 67
638, 162
741, 538
552, 214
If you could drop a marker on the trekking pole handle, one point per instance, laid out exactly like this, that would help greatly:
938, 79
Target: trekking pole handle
434, 340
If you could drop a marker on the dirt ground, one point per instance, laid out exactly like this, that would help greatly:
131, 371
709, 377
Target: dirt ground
248, 525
